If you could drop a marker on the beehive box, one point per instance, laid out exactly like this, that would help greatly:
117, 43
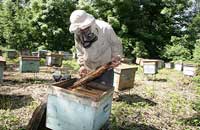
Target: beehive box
11, 54
160, 63
178, 66
2, 65
66, 55
42, 53
54, 59
190, 69
124, 77
81, 108
138, 61
25, 52
169, 65
35, 54
150, 67
29, 64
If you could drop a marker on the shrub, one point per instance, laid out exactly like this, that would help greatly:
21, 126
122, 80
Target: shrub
42, 61
196, 79
72, 64
134, 48
196, 52
176, 52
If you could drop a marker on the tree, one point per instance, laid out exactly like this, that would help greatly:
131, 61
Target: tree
151, 22
196, 53
15, 25
51, 21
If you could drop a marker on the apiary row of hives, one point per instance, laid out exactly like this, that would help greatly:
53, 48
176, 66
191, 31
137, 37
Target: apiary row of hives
151, 66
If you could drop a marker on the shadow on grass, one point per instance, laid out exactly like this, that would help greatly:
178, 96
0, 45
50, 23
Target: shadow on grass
193, 121
14, 101
135, 126
27, 80
131, 99
157, 79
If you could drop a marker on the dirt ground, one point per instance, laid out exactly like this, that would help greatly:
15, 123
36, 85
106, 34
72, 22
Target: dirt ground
161, 102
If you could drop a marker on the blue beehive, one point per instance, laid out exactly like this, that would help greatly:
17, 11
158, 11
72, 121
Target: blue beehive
29, 64
78, 109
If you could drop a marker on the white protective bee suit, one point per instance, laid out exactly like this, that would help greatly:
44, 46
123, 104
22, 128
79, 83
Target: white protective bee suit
105, 43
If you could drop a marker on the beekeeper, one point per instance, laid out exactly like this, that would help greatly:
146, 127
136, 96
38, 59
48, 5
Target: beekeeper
96, 44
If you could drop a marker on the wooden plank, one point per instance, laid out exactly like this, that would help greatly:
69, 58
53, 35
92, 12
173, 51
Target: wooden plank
90, 91
98, 86
38, 118
65, 83
92, 75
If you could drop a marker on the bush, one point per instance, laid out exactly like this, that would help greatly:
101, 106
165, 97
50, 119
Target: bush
196, 52
196, 79
42, 61
134, 48
176, 52
72, 64
12, 61
179, 48
140, 50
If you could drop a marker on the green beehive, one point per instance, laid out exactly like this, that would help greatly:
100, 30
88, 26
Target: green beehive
2, 64
29, 64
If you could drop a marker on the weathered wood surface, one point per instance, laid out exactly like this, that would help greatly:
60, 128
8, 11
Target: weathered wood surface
92, 75
38, 119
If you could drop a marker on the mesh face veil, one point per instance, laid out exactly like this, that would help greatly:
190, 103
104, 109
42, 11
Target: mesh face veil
86, 37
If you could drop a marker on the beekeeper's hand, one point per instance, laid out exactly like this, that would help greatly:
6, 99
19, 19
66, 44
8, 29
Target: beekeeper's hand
83, 71
116, 60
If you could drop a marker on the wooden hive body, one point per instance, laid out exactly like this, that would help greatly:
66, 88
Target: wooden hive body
81, 108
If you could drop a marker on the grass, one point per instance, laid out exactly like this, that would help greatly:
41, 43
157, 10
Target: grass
169, 101
170, 93
176, 103
11, 121
71, 64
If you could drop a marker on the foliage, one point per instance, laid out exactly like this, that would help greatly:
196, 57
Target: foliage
52, 23
140, 50
152, 23
35, 23
196, 52
42, 61
144, 26
194, 27
176, 103
73, 49
196, 106
196, 79
72, 64
176, 52
16, 27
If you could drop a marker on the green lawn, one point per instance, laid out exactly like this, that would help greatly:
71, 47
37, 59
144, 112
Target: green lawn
167, 101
